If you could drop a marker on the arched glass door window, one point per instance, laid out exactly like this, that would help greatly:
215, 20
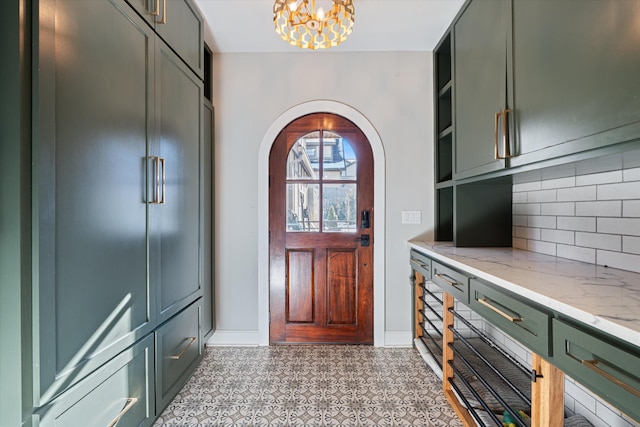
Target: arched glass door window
322, 185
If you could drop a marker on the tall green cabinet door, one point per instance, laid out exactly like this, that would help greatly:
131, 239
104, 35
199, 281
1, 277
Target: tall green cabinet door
174, 183
576, 66
92, 98
482, 75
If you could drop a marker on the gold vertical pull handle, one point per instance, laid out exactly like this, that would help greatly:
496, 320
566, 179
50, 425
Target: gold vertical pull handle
130, 402
448, 280
505, 134
156, 9
162, 163
179, 355
164, 13
495, 309
593, 365
496, 154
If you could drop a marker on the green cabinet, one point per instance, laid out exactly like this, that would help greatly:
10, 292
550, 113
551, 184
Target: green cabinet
117, 229
602, 363
119, 393
92, 299
180, 25
576, 64
174, 162
482, 78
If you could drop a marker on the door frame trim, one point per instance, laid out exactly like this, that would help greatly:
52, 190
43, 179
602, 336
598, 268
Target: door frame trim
348, 112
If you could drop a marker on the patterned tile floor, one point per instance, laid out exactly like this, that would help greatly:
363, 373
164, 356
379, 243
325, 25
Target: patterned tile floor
310, 386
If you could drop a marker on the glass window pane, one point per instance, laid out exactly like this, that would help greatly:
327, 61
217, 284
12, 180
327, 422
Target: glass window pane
339, 208
303, 207
302, 161
338, 157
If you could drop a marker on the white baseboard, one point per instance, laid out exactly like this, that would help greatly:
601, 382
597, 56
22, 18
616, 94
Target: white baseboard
234, 338
398, 339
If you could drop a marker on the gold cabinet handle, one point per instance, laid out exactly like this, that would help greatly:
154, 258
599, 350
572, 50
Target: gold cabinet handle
179, 355
156, 10
130, 402
164, 13
159, 181
593, 365
491, 307
496, 153
505, 135
447, 279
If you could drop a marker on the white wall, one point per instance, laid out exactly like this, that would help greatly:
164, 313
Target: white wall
392, 90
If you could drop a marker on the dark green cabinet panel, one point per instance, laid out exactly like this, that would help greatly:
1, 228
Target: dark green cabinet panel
179, 348
481, 78
93, 101
180, 24
121, 391
451, 281
174, 220
576, 66
608, 368
522, 319
208, 320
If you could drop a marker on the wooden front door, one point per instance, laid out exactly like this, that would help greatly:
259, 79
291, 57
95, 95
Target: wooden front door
321, 233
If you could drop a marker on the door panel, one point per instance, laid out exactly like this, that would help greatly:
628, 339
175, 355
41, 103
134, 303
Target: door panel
94, 97
321, 273
342, 285
174, 218
300, 281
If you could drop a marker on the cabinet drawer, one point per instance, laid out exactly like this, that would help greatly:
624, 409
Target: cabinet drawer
611, 370
421, 263
521, 319
178, 351
121, 392
451, 281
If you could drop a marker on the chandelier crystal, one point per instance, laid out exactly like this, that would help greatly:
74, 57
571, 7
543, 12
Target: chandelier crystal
301, 24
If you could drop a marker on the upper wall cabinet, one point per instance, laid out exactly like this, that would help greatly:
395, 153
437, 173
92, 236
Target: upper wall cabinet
180, 24
483, 75
576, 76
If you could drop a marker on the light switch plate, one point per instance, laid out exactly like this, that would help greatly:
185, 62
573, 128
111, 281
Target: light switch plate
412, 217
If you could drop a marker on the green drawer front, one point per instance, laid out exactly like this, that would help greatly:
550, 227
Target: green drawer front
121, 391
421, 263
178, 351
610, 370
451, 281
520, 319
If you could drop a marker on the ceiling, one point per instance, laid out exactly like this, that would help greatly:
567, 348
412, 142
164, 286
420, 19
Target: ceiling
381, 25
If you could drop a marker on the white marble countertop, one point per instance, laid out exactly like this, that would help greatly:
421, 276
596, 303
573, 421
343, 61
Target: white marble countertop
605, 298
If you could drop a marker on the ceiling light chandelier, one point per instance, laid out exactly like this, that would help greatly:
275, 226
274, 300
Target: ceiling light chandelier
302, 25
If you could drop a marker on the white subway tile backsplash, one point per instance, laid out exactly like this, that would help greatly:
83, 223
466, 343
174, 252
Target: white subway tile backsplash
541, 221
558, 183
566, 208
576, 223
631, 174
541, 247
622, 226
528, 186
542, 196
606, 208
599, 178
519, 198
527, 233
622, 191
558, 236
526, 209
519, 243
610, 242
631, 208
576, 253
576, 194
581, 395
520, 220
619, 260
631, 245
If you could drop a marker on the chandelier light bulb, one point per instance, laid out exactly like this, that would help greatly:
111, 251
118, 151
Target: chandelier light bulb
299, 23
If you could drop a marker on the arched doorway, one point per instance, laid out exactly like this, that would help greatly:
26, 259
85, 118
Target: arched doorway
321, 226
